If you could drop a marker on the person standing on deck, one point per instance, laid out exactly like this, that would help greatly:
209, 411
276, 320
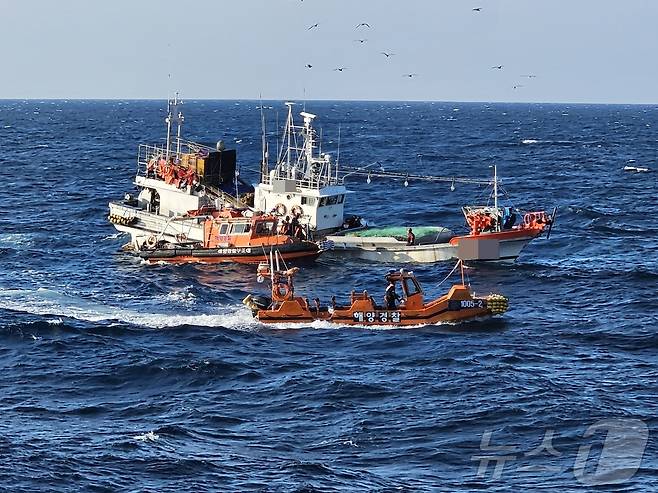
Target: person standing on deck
285, 226
390, 296
295, 228
411, 237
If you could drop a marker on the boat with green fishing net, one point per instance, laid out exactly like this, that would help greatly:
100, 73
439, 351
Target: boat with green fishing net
494, 236
391, 244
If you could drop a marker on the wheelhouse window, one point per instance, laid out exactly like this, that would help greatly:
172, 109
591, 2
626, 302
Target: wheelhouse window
264, 227
223, 229
308, 200
241, 228
411, 286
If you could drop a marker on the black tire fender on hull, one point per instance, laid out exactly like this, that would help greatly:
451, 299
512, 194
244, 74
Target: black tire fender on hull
241, 252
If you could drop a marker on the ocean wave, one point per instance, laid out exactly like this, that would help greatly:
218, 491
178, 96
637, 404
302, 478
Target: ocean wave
183, 295
114, 236
149, 436
16, 240
47, 302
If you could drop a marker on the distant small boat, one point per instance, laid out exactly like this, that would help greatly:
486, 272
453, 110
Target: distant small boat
636, 169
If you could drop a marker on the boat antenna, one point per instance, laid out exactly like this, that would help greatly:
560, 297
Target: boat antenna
278, 137
179, 120
264, 165
286, 137
495, 188
495, 194
338, 150
168, 121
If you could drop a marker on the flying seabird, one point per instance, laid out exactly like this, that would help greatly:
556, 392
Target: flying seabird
313, 26
340, 69
387, 55
409, 75
477, 9
517, 86
363, 24
531, 76
360, 41
497, 67
308, 65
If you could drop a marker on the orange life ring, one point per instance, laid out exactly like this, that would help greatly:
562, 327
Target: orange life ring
280, 209
181, 237
297, 211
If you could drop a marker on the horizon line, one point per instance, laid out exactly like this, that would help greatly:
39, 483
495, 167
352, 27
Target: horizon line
596, 103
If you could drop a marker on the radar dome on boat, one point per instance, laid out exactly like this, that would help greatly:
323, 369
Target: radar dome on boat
220, 145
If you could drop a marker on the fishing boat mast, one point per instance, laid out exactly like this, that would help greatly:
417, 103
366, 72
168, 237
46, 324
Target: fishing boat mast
495, 188
171, 111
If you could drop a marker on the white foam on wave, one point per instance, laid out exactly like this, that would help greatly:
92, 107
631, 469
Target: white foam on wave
147, 437
326, 325
530, 141
116, 235
47, 302
13, 240
183, 295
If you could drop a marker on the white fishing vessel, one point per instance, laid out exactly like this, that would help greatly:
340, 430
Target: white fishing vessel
391, 245
494, 235
305, 182
177, 184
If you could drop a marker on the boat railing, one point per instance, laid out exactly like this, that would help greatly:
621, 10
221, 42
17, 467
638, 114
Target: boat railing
314, 183
149, 153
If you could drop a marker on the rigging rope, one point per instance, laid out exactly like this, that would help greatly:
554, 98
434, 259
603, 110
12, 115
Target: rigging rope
450, 273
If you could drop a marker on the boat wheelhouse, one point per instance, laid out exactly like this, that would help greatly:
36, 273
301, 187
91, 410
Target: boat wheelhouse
304, 182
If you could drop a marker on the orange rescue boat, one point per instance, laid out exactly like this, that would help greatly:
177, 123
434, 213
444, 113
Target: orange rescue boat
232, 236
459, 304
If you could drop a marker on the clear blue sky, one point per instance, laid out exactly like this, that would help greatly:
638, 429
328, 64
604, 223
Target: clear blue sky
579, 50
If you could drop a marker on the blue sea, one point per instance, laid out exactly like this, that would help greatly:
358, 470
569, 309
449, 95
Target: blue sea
121, 376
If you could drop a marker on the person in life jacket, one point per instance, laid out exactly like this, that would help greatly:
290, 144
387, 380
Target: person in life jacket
390, 296
285, 226
411, 237
295, 228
